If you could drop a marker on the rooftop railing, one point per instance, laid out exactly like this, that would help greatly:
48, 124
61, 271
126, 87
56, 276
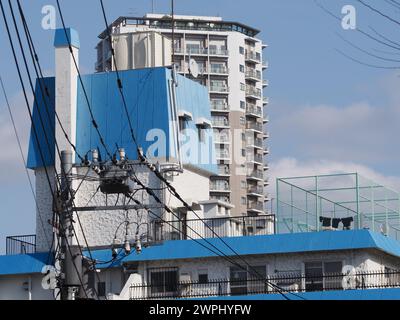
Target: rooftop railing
223, 227
272, 284
21, 244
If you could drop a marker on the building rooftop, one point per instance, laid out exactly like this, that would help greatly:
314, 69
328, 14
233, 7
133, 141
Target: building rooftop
160, 21
150, 109
344, 200
254, 245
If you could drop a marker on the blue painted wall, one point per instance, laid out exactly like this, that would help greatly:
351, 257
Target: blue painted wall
148, 102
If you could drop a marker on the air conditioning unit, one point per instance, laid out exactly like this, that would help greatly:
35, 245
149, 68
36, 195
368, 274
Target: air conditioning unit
185, 277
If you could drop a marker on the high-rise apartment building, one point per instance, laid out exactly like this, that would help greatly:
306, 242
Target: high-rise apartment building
228, 59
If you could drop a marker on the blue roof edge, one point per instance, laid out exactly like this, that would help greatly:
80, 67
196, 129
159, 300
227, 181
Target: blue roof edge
252, 245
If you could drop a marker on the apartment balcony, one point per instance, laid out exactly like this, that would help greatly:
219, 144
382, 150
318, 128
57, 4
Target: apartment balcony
266, 151
265, 65
223, 170
255, 207
220, 187
255, 191
253, 75
255, 143
253, 110
218, 71
219, 89
220, 123
201, 52
255, 158
218, 52
265, 83
221, 139
253, 93
217, 106
256, 175
222, 155
265, 100
266, 118
258, 127
251, 56
266, 135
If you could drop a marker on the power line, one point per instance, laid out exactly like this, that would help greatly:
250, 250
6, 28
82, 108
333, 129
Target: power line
365, 63
58, 151
365, 51
40, 116
366, 34
141, 157
94, 123
379, 12
151, 192
24, 160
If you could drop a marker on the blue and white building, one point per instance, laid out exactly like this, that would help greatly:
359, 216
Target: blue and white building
319, 244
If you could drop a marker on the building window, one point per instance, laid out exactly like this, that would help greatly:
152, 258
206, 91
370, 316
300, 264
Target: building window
243, 137
203, 276
242, 105
241, 68
241, 50
242, 121
163, 281
101, 289
316, 276
243, 184
239, 280
242, 87
243, 152
243, 201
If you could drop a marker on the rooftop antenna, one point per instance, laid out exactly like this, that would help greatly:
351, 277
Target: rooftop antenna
152, 6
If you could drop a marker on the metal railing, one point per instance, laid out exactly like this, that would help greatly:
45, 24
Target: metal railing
254, 126
223, 170
257, 142
258, 174
255, 158
219, 89
201, 51
223, 227
219, 106
220, 122
259, 206
25, 244
291, 282
254, 92
220, 186
218, 70
253, 109
253, 56
251, 73
255, 190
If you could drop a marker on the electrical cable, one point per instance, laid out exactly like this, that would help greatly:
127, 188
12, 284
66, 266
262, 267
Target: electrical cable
29, 40
94, 123
41, 119
24, 160
141, 157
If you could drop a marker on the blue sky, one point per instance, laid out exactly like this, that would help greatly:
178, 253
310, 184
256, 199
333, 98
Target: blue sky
327, 113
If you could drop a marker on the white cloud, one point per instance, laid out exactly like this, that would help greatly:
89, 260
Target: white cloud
291, 167
360, 132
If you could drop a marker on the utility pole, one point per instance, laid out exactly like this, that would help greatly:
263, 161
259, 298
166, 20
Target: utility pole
71, 258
